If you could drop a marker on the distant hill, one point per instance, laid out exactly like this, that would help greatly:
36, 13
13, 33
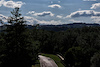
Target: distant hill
62, 27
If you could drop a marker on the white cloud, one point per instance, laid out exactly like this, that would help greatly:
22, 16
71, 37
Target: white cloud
3, 18
1, 2
95, 6
11, 4
55, 6
83, 13
75, 21
52, 22
96, 19
31, 12
32, 21
45, 13
89, 0
59, 16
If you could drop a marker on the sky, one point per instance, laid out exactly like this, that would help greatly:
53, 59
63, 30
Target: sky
53, 12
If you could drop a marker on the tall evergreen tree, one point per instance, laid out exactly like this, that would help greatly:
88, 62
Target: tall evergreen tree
19, 51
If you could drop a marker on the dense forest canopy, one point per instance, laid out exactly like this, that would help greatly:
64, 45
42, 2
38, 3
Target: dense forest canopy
19, 46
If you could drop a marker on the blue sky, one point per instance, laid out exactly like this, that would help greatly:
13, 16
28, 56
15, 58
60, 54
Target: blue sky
53, 11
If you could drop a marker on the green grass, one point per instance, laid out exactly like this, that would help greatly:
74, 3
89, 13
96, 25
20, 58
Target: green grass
55, 58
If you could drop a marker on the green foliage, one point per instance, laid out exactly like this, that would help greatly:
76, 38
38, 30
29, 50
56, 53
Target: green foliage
18, 43
77, 45
55, 58
95, 60
19, 50
75, 57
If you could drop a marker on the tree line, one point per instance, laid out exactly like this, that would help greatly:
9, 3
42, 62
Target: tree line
79, 46
20, 46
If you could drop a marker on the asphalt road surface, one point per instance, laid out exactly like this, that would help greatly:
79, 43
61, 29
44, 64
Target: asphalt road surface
46, 62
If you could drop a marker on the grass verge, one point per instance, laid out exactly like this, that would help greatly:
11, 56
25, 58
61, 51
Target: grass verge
55, 58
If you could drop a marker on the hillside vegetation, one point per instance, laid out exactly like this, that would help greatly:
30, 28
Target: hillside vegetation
19, 46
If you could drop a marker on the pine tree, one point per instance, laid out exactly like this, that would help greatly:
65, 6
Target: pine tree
19, 51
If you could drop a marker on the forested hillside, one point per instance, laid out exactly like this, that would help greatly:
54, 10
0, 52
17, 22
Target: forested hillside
19, 46
79, 46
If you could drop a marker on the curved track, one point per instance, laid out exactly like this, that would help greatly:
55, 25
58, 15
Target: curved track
46, 62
